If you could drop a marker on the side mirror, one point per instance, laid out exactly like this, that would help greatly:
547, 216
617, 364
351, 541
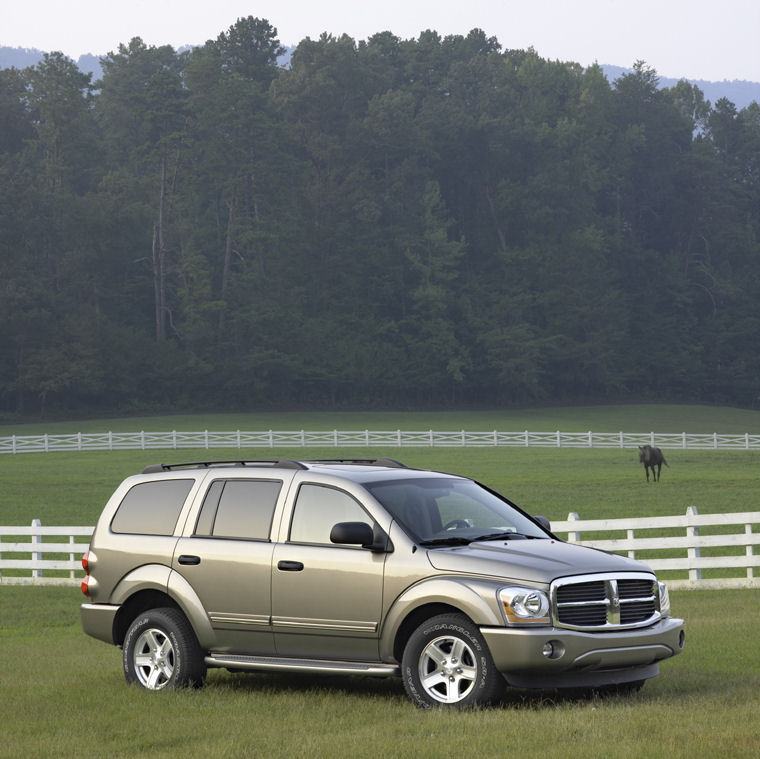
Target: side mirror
544, 522
360, 533
351, 533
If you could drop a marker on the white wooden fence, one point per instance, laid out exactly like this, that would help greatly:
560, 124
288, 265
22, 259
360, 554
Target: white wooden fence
46, 555
112, 441
699, 551
712, 549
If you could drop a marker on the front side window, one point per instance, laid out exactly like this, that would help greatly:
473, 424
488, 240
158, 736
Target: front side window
318, 509
238, 509
151, 508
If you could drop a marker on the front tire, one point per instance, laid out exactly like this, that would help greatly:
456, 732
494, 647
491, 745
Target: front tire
161, 651
446, 662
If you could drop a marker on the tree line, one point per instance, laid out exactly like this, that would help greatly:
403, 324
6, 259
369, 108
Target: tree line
384, 223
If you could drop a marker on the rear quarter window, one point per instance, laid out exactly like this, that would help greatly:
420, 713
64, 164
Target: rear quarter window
151, 508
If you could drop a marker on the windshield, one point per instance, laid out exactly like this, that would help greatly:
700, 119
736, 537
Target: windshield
448, 511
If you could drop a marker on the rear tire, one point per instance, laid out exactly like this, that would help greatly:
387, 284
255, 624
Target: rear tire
161, 651
446, 662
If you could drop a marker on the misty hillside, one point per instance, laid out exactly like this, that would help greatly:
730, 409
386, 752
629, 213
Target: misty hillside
740, 92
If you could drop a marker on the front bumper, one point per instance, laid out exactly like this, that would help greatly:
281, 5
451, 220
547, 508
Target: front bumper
580, 659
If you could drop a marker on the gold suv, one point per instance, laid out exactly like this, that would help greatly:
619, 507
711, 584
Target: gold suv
362, 567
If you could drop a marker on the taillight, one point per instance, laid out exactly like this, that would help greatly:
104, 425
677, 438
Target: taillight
86, 581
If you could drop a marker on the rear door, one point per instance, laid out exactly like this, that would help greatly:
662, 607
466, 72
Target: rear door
226, 556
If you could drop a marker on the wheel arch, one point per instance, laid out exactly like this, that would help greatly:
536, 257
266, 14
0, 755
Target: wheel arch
475, 600
153, 586
136, 604
414, 619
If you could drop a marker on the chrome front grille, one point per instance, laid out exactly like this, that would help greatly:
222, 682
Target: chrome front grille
605, 602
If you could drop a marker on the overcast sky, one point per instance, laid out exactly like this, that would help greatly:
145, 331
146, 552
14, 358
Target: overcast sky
696, 39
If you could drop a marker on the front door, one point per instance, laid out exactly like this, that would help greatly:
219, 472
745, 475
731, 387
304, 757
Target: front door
326, 599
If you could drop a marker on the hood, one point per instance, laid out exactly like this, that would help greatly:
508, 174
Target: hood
533, 560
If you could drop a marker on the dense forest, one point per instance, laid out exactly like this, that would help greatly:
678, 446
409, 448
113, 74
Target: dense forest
384, 223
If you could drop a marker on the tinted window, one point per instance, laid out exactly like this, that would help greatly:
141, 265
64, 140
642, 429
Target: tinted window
439, 508
318, 508
151, 508
239, 509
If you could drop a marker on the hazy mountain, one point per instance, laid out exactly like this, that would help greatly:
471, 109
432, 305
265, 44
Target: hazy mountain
740, 92
21, 57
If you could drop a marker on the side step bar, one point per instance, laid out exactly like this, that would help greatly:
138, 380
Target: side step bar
274, 664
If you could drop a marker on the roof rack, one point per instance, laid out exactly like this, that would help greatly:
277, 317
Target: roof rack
281, 463
274, 463
391, 463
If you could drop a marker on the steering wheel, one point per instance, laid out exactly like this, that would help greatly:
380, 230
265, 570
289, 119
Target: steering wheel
455, 523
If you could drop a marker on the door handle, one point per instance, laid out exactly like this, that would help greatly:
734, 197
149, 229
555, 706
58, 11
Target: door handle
290, 566
188, 559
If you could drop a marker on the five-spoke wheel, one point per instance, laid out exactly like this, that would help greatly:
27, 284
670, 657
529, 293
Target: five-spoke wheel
160, 650
446, 662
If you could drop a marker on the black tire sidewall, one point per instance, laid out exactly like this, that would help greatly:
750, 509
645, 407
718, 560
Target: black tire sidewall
488, 683
188, 668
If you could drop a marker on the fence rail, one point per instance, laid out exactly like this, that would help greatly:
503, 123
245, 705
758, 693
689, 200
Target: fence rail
698, 551
712, 549
207, 439
42, 559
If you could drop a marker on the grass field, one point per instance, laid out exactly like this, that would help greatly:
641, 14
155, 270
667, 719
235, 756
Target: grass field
63, 694
628, 418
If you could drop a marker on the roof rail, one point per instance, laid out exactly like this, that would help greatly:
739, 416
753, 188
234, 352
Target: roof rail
281, 463
391, 463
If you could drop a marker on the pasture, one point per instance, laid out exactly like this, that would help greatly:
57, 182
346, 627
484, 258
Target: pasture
64, 695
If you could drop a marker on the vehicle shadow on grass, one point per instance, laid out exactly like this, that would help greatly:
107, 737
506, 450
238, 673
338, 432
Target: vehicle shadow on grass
389, 688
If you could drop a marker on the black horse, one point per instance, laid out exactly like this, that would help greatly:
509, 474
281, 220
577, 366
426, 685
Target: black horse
652, 457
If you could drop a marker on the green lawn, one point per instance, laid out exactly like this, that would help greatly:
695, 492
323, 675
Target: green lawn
627, 418
70, 488
64, 696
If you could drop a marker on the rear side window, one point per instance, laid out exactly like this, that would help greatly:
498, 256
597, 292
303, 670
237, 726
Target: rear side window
238, 509
151, 508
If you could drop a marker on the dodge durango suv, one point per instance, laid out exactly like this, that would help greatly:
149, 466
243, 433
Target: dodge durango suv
362, 567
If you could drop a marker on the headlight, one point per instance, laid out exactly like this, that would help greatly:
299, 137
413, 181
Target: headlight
664, 599
525, 606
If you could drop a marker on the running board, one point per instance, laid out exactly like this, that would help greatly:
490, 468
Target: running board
275, 664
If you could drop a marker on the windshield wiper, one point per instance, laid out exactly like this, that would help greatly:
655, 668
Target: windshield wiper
507, 536
452, 541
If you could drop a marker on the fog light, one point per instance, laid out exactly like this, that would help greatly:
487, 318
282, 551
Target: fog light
553, 649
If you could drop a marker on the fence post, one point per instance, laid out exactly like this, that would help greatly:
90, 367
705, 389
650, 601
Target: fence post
693, 552
631, 536
749, 551
36, 539
573, 537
